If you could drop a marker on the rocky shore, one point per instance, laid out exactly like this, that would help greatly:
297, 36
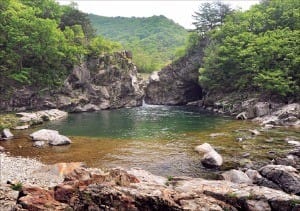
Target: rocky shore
72, 186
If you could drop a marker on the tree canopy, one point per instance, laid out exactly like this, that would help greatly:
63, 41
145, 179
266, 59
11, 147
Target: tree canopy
153, 40
40, 41
256, 50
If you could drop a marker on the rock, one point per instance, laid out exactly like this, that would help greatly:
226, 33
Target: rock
292, 141
261, 109
286, 177
35, 198
253, 175
39, 144
242, 116
213, 135
210, 159
22, 127
52, 137
6, 134
236, 176
177, 83
8, 197
254, 132
117, 189
86, 108
204, 148
2, 149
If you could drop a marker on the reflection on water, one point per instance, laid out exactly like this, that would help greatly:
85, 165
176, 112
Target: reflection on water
156, 138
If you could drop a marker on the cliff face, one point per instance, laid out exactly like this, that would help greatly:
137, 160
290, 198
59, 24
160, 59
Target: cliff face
177, 84
109, 81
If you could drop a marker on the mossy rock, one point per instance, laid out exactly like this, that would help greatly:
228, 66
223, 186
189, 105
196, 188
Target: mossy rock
8, 121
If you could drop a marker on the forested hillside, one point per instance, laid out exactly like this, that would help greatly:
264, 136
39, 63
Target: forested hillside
154, 41
40, 42
254, 51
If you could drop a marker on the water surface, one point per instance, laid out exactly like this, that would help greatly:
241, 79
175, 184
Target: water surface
160, 139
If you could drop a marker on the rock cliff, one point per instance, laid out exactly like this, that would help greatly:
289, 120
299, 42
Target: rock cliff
177, 84
108, 81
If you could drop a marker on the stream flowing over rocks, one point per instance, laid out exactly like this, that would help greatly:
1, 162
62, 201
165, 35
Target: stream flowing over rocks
107, 81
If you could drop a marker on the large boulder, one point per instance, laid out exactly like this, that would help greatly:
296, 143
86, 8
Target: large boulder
210, 159
52, 137
177, 83
286, 177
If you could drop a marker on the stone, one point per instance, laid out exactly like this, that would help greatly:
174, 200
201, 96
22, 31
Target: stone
204, 148
254, 132
261, 109
236, 176
286, 177
177, 83
212, 159
52, 137
292, 141
136, 189
6, 134
2, 149
22, 127
242, 116
36, 198
253, 175
39, 144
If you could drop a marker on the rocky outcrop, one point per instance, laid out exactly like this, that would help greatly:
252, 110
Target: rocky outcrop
177, 84
107, 81
116, 189
286, 177
210, 159
52, 137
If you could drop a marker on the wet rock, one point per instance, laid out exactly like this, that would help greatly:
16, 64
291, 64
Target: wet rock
52, 137
236, 176
254, 132
210, 159
86, 108
286, 177
242, 116
22, 127
292, 141
6, 134
39, 144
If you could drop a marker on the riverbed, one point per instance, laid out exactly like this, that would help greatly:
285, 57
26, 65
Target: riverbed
159, 139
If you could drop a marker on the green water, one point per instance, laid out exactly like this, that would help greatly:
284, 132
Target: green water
159, 139
143, 123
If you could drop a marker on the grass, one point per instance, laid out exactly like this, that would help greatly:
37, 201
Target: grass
8, 121
17, 187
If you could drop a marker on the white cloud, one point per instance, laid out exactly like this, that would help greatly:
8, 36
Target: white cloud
180, 11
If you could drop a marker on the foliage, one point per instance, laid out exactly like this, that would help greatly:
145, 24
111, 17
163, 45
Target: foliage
210, 15
153, 41
40, 42
256, 50
17, 187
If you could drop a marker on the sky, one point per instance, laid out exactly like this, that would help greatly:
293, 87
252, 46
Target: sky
179, 11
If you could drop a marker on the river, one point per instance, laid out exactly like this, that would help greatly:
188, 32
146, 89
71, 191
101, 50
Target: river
160, 139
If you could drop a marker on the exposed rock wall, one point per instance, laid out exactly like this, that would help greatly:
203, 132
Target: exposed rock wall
109, 81
177, 84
